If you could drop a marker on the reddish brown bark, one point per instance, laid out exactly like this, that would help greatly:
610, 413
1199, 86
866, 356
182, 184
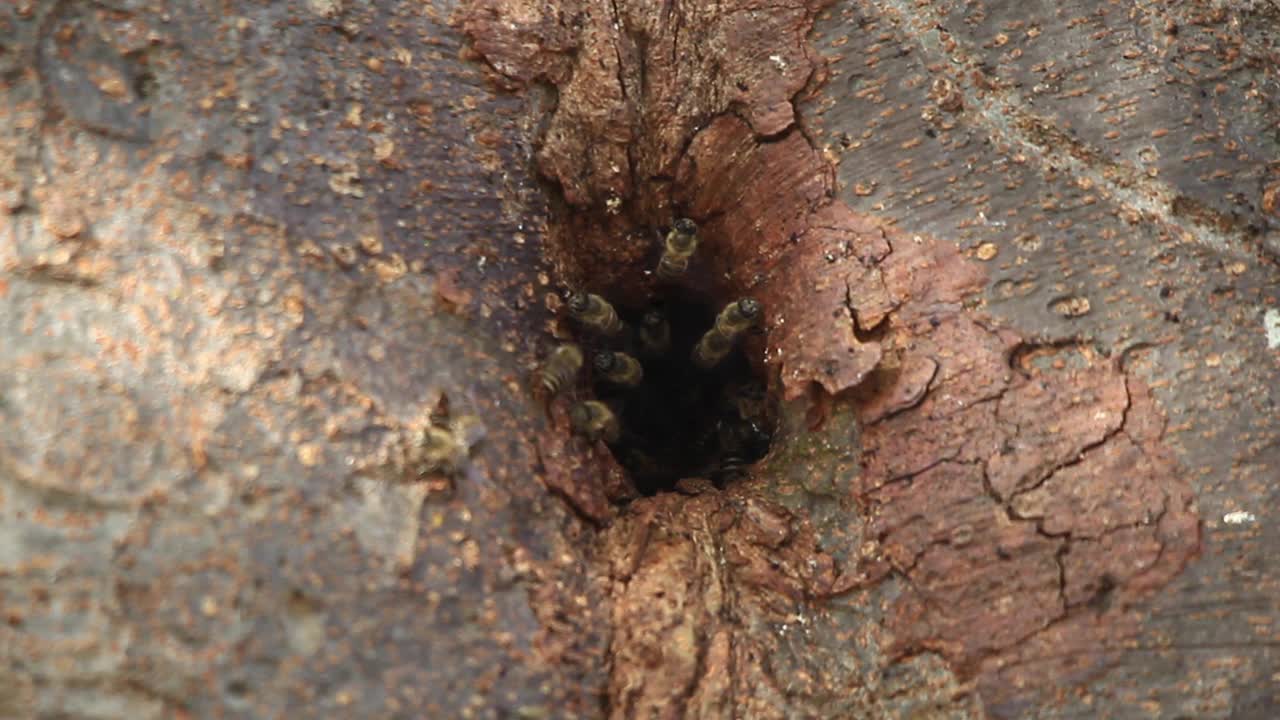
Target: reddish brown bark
1002, 477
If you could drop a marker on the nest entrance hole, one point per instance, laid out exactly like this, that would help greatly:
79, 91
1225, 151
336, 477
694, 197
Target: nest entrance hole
685, 421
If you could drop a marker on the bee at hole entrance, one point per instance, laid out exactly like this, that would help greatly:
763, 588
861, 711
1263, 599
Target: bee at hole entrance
666, 384
680, 420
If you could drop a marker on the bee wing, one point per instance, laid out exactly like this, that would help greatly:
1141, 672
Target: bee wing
469, 430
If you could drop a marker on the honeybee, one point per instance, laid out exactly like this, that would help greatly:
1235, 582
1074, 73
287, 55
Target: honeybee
741, 443
679, 246
655, 333
738, 317
711, 348
560, 368
445, 449
945, 93
747, 400
731, 323
595, 312
618, 368
594, 420
732, 467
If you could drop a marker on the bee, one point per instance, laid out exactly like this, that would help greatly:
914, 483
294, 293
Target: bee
594, 420
680, 244
560, 368
741, 444
445, 449
711, 349
440, 413
732, 467
747, 400
738, 317
595, 312
618, 368
731, 323
655, 333
945, 93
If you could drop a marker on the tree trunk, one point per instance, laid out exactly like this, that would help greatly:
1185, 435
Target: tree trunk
276, 282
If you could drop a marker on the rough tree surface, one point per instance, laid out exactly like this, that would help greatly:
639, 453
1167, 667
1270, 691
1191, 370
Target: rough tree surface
1018, 265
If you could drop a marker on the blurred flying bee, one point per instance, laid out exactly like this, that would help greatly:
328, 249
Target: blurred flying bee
595, 312
560, 368
618, 368
730, 324
441, 412
594, 420
445, 449
680, 244
655, 333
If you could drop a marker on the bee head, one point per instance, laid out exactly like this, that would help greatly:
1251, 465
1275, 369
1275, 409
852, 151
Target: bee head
685, 226
577, 301
652, 319
749, 308
604, 360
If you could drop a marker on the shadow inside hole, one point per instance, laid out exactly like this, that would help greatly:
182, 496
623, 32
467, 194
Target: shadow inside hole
682, 420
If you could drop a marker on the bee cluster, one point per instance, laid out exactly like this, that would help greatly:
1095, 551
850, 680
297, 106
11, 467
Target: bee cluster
673, 395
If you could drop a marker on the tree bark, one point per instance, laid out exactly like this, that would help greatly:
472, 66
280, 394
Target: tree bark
1019, 279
